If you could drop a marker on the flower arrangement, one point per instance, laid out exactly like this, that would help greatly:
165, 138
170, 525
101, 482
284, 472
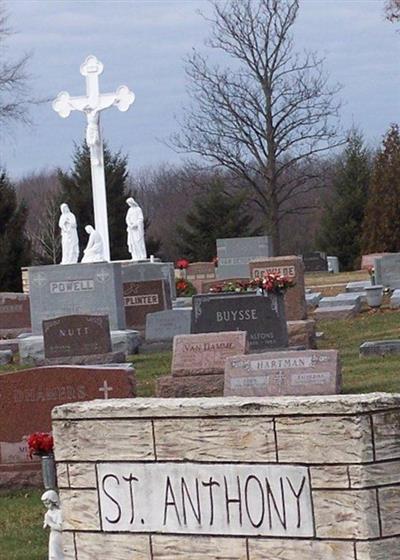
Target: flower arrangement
40, 443
371, 272
182, 264
215, 261
269, 282
184, 288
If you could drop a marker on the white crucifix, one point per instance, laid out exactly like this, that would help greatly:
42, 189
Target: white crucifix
105, 389
92, 104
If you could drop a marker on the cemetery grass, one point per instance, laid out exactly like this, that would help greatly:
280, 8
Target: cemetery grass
21, 520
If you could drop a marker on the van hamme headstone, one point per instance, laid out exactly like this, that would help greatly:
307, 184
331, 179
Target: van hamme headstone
141, 298
262, 317
309, 372
234, 255
76, 335
27, 398
291, 267
76, 289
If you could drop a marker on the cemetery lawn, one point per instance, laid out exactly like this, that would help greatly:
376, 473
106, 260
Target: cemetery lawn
21, 520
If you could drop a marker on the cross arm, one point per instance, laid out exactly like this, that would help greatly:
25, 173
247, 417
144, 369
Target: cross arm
64, 104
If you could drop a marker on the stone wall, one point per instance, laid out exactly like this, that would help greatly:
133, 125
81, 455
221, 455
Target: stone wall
313, 478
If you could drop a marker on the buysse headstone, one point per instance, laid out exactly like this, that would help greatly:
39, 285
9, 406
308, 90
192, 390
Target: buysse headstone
263, 318
309, 372
142, 298
234, 255
76, 335
293, 268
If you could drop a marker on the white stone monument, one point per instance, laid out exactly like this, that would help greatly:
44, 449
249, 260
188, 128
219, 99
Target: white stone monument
53, 520
92, 104
94, 251
69, 236
135, 230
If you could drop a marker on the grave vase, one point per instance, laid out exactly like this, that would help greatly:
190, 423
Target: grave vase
374, 295
48, 471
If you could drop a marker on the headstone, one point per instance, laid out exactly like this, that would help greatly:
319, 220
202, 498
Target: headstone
387, 271
313, 298
27, 398
368, 261
333, 264
310, 372
198, 272
302, 334
352, 298
164, 325
307, 478
293, 268
235, 254
395, 300
379, 348
143, 271
198, 354
358, 286
15, 313
142, 298
76, 289
262, 317
76, 335
315, 262
332, 313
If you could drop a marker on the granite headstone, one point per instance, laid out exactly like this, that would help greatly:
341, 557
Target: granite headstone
14, 312
315, 262
164, 325
387, 271
141, 298
234, 255
142, 271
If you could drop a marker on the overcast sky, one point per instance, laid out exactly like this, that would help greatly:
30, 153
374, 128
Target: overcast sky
142, 44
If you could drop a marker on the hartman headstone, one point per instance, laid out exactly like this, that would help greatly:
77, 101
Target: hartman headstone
293, 268
198, 354
76, 289
27, 400
76, 335
387, 271
315, 262
309, 372
234, 255
142, 298
263, 318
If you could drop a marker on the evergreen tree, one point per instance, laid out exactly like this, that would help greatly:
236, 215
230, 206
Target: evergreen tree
214, 215
76, 191
14, 243
342, 221
381, 227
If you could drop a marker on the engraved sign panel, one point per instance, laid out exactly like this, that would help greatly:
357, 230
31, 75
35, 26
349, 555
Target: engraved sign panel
141, 298
211, 499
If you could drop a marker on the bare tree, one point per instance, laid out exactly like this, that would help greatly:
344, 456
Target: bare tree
392, 10
14, 80
268, 116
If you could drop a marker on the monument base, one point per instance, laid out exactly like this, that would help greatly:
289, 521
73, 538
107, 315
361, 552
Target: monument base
31, 349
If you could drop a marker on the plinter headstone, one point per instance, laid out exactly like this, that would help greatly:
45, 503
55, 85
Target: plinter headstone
198, 362
387, 271
142, 298
143, 271
293, 268
79, 339
262, 317
234, 255
27, 398
309, 372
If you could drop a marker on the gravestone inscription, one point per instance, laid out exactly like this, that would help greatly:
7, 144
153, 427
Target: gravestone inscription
263, 318
234, 255
141, 298
309, 372
76, 335
143, 271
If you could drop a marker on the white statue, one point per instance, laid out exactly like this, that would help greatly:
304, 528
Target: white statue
94, 249
93, 137
135, 229
69, 236
53, 520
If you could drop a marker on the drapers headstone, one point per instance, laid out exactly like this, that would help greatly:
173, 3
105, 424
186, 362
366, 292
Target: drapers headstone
197, 354
141, 298
90, 288
14, 311
293, 268
164, 325
309, 372
76, 335
315, 262
234, 255
262, 317
141, 271
27, 398
387, 271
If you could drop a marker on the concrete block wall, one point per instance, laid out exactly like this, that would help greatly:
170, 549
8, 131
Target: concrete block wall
345, 451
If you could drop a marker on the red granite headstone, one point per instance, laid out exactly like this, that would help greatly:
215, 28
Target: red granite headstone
28, 396
141, 298
14, 311
199, 272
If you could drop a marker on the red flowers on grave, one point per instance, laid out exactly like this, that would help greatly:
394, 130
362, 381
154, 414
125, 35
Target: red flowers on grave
215, 261
40, 443
182, 264
270, 282
184, 288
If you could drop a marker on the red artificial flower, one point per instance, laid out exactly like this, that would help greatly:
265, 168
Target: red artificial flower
40, 443
215, 261
182, 264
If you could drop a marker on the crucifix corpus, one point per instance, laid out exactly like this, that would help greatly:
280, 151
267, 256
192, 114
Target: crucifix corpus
92, 104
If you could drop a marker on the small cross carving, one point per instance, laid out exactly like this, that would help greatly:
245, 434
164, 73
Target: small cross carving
105, 389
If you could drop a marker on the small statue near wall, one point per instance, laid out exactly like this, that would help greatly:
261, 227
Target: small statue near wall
53, 520
94, 251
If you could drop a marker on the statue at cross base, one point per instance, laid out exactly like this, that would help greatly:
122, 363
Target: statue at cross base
92, 104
